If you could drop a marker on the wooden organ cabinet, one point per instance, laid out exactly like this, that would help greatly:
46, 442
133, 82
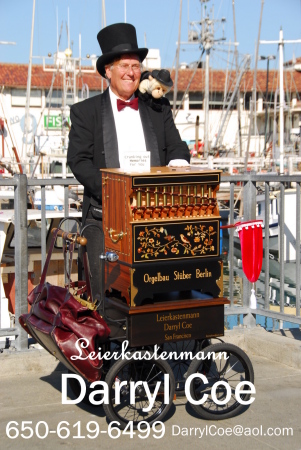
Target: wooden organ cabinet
165, 227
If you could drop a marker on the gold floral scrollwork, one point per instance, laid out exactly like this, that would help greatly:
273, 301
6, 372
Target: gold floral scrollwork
196, 240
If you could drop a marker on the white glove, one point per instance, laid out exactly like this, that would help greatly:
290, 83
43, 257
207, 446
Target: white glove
178, 163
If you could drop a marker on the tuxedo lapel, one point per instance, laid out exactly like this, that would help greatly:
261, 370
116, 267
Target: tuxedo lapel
110, 142
149, 134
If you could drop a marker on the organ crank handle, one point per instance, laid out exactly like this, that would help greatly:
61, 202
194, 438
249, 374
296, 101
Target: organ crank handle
72, 237
117, 237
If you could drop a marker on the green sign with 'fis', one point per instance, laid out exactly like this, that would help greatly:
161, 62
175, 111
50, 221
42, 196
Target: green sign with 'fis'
54, 122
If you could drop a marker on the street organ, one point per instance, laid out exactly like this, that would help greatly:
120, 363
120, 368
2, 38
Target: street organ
165, 227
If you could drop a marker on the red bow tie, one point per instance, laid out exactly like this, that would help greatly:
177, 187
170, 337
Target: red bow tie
132, 104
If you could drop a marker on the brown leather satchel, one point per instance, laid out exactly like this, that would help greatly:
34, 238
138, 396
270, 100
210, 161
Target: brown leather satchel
67, 326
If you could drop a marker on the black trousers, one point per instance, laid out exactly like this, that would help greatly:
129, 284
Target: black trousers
95, 247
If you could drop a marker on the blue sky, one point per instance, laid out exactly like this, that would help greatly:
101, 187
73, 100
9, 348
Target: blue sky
156, 22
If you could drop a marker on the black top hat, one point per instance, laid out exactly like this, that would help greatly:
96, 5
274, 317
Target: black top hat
163, 76
116, 40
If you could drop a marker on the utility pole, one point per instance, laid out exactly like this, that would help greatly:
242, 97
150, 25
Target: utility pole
281, 43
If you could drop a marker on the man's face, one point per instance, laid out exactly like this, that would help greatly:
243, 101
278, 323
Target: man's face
124, 76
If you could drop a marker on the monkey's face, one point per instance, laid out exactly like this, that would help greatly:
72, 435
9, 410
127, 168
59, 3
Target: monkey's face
159, 91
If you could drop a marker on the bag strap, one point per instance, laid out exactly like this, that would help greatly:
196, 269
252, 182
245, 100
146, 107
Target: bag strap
45, 268
87, 274
86, 262
68, 270
81, 241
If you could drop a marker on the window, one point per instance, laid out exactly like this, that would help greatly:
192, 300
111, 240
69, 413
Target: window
247, 101
196, 100
94, 93
216, 101
169, 97
55, 101
18, 97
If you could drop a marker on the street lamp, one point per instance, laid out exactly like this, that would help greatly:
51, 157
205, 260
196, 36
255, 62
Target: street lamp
268, 58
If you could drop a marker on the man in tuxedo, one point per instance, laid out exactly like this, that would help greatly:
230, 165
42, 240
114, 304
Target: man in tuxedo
106, 126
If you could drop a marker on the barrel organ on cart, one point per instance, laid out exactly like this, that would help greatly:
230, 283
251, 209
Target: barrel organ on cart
165, 227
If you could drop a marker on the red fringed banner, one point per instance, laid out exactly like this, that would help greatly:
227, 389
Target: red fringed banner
250, 235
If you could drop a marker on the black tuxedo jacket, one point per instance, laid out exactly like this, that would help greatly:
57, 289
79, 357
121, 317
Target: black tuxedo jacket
93, 141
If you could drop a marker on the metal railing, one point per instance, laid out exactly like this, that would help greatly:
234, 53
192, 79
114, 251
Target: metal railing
21, 186
247, 185
232, 165
251, 182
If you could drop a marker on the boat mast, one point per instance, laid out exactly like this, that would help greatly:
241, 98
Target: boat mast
207, 41
202, 33
281, 43
253, 103
238, 92
175, 92
281, 98
26, 124
245, 66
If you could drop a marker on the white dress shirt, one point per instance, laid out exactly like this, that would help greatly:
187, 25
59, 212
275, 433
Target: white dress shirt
128, 123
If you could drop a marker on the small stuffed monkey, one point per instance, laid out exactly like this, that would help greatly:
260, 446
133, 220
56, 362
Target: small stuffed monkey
157, 83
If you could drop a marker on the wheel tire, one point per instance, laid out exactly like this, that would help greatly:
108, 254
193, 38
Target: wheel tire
151, 371
236, 367
180, 365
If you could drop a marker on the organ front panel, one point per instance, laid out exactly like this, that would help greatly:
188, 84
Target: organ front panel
165, 227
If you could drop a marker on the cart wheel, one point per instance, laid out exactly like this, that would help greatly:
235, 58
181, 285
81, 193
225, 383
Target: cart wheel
179, 364
228, 363
130, 370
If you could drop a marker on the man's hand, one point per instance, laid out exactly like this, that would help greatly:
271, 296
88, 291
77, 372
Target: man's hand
178, 163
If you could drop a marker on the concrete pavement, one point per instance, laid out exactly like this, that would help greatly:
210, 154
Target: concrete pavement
30, 388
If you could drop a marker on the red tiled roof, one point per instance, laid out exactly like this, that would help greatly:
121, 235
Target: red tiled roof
15, 76
292, 62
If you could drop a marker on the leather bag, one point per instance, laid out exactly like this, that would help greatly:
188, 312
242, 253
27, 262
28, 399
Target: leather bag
66, 325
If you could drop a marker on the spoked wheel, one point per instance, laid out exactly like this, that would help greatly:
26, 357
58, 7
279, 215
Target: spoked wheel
221, 362
148, 370
182, 353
